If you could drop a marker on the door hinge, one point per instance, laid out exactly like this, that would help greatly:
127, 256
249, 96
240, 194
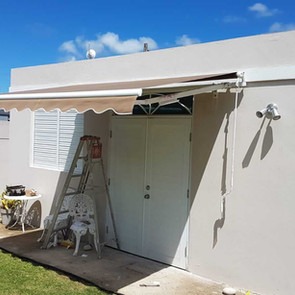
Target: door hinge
187, 193
107, 229
185, 252
109, 181
111, 133
190, 136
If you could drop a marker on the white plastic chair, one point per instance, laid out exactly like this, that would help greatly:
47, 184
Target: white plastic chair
82, 210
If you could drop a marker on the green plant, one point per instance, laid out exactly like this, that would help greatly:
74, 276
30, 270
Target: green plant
8, 204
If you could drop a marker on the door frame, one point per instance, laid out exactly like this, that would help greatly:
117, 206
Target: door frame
134, 117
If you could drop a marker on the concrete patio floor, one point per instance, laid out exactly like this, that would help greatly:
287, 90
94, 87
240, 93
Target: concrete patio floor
116, 271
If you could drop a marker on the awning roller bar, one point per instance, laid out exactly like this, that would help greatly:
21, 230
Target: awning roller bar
190, 84
72, 94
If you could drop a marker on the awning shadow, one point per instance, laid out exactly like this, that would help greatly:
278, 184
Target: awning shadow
114, 271
117, 272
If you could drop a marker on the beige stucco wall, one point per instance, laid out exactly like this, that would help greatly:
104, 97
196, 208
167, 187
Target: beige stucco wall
16, 160
252, 247
4, 149
18, 156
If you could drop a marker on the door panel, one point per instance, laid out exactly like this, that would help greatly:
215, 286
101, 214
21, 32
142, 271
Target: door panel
165, 232
127, 170
150, 157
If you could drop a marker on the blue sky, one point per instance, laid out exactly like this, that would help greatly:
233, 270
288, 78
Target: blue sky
36, 32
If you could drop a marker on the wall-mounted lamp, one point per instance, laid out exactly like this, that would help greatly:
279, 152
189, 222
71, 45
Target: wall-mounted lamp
270, 112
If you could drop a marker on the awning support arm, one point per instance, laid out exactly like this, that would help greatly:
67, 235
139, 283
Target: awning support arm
172, 98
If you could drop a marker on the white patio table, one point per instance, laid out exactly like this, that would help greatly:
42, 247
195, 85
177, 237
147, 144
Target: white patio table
21, 210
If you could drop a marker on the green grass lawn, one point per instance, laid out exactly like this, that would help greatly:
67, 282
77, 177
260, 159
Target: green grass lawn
20, 277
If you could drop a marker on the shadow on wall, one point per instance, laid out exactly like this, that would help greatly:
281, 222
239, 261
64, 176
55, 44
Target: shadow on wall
266, 144
210, 114
219, 223
34, 214
267, 141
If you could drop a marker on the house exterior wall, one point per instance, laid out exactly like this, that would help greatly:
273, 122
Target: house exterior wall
252, 246
16, 154
4, 150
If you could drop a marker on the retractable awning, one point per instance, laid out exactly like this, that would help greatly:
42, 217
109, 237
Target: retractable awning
120, 101
110, 96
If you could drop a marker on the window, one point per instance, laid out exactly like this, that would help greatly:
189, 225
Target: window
184, 106
4, 124
56, 137
4, 116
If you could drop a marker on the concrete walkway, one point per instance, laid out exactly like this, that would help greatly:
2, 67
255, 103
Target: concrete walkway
117, 272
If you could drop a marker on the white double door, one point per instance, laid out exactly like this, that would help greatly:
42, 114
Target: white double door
149, 178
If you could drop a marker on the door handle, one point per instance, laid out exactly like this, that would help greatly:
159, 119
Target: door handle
147, 196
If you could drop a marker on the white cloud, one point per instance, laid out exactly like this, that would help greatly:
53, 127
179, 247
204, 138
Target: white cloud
113, 43
279, 27
184, 40
106, 44
262, 10
70, 49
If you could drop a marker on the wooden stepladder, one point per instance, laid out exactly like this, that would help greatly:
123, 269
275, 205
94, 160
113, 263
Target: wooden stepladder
88, 155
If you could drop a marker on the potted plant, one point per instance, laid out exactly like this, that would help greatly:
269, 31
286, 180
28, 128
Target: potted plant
7, 209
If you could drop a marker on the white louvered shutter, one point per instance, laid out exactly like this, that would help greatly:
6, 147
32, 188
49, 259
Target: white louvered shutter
56, 136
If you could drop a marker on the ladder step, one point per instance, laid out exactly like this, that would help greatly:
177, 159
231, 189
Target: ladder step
72, 193
82, 157
76, 175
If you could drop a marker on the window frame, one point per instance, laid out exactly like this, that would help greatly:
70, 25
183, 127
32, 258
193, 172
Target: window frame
55, 137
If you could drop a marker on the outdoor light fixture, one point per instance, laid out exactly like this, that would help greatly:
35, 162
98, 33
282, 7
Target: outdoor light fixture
270, 112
